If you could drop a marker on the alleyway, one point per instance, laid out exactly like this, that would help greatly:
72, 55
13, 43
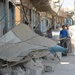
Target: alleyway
65, 67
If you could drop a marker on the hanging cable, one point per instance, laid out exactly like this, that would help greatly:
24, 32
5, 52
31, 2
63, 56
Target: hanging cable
60, 6
26, 21
15, 4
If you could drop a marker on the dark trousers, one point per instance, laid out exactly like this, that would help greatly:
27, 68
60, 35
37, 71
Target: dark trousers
63, 43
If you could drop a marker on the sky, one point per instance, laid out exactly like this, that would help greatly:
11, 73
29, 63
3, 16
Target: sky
67, 3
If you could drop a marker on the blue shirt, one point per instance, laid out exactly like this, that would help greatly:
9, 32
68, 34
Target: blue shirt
64, 33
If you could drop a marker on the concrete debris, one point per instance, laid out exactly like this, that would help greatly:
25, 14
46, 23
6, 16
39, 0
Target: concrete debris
10, 71
34, 67
48, 69
39, 54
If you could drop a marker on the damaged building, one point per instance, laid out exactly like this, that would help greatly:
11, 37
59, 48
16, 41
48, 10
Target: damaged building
22, 51
7, 16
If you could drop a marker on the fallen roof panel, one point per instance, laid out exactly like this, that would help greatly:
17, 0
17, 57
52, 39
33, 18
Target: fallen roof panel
25, 41
25, 34
12, 52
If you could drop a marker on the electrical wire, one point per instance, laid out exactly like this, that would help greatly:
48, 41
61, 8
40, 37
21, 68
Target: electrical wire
15, 4
24, 12
60, 6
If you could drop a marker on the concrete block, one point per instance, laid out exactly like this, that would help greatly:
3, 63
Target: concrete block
34, 71
48, 69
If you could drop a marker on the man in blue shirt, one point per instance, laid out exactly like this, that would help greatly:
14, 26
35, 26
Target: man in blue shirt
63, 32
63, 42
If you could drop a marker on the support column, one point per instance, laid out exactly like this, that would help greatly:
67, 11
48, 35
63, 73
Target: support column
55, 23
32, 19
7, 14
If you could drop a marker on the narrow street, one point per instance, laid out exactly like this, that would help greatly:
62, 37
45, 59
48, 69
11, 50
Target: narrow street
65, 67
67, 64
30, 34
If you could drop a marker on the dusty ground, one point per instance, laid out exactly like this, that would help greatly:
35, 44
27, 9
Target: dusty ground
67, 64
65, 67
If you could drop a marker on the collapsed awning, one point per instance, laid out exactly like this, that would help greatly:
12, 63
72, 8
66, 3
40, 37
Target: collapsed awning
25, 34
15, 52
20, 41
41, 5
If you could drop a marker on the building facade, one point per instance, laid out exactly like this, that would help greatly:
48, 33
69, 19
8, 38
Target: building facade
40, 14
7, 16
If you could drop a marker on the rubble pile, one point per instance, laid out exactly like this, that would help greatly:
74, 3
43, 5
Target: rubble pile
25, 53
35, 66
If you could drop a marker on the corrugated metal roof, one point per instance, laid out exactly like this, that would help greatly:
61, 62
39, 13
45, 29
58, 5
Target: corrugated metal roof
25, 34
42, 41
25, 41
7, 38
41, 5
13, 52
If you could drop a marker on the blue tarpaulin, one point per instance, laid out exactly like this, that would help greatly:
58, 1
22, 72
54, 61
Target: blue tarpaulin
57, 48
